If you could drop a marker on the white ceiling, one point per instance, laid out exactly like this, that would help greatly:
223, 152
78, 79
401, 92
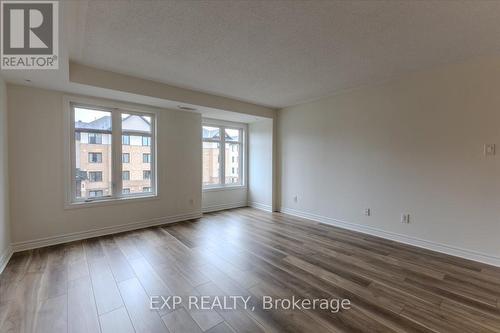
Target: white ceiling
280, 53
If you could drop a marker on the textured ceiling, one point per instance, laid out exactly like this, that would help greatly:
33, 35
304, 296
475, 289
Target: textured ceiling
280, 53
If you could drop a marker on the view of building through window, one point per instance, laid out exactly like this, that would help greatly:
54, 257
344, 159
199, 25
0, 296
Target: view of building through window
93, 139
233, 146
93, 153
211, 160
136, 142
213, 156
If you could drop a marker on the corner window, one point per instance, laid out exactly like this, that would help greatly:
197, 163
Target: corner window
223, 152
124, 138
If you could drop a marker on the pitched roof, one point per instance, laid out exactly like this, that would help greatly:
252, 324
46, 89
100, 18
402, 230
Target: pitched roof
131, 123
103, 123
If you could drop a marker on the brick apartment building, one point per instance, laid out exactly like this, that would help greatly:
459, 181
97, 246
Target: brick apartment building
94, 162
212, 158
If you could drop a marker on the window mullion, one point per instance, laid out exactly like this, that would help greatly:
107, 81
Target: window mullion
116, 148
242, 152
72, 151
223, 155
152, 157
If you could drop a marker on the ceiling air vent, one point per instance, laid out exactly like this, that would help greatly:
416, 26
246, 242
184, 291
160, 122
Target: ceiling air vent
186, 108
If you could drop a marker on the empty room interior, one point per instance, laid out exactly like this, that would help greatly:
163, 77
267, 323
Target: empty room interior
250, 166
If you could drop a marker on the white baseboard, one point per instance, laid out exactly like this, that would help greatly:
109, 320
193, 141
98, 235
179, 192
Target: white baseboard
261, 206
74, 236
429, 245
5, 257
214, 208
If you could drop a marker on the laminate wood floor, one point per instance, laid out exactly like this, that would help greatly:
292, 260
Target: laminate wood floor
104, 284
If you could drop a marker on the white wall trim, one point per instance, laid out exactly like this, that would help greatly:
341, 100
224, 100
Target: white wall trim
261, 206
225, 188
74, 236
214, 208
429, 245
5, 257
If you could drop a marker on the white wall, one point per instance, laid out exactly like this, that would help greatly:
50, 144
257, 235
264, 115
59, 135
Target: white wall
4, 180
220, 199
413, 145
260, 160
36, 168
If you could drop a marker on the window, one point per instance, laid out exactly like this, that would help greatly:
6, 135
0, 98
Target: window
95, 157
95, 138
138, 129
95, 176
222, 155
232, 176
95, 194
123, 137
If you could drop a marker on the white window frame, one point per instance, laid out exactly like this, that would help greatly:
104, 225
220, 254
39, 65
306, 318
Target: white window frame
222, 125
116, 109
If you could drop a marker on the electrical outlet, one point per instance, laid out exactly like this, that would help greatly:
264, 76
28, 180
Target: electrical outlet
405, 218
368, 212
489, 149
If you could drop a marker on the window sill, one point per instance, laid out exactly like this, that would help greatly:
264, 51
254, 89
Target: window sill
224, 188
109, 202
